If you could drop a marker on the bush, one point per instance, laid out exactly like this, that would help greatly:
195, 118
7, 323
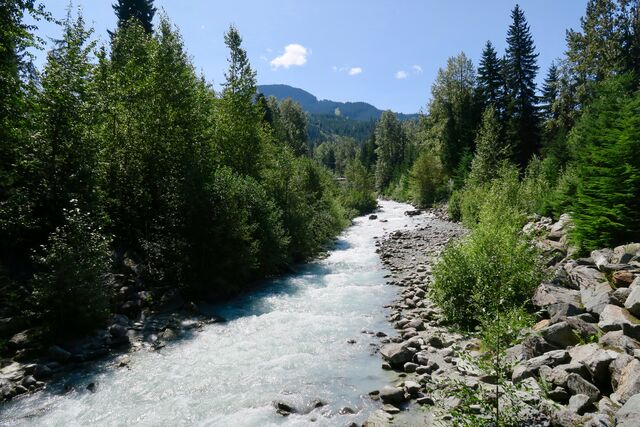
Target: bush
427, 180
71, 288
493, 269
498, 334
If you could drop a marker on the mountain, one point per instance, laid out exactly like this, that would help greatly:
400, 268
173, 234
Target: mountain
360, 111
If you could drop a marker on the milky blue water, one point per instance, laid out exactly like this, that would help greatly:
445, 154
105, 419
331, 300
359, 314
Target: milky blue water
285, 342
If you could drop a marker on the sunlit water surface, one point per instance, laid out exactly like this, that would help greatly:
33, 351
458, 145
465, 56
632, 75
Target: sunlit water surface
285, 342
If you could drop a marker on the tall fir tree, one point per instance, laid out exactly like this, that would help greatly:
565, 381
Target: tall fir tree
490, 80
520, 71
140, 10
550, 93
491, 151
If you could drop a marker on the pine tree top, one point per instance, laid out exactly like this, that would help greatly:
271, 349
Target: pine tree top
141, 10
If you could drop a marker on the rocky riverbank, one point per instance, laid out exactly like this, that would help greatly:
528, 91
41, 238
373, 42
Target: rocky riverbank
29, 367
579, 365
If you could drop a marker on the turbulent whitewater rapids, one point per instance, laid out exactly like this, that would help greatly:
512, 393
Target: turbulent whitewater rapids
288, 342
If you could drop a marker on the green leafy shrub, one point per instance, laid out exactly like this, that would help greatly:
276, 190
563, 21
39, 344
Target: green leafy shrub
72, 287
494, 268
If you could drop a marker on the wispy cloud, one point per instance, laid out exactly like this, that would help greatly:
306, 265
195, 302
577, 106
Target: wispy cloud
417, 69
401, 75
354, 71
294, 55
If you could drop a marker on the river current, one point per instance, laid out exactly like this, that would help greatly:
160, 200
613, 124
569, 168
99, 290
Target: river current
288, 341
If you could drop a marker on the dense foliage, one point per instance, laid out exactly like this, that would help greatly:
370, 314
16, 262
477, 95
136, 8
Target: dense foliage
122, 165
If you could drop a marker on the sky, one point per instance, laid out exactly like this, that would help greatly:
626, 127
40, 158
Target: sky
385, 52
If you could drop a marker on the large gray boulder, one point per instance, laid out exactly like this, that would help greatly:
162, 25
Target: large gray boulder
594, 288
559, 375
614, 318
625, 378
629, 414
596, 360
578, 385
560, 334
625, 253
632, 302
397, 354
390, 394
558, 300
617, 340
530, 368
602, 257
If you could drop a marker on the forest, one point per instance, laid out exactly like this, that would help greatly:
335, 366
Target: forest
122, 169
127, 181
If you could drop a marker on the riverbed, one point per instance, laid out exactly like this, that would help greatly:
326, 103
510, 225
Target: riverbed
291, 341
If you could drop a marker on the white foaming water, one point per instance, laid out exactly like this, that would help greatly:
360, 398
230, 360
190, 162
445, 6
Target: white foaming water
285, 342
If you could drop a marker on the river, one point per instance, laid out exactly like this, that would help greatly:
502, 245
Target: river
287, 341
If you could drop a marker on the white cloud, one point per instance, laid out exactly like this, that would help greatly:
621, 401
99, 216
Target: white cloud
417, 69
294, 54
355, 71
334, 68
400, 75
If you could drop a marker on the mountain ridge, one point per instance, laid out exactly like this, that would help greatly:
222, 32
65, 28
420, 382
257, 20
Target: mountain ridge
360, 111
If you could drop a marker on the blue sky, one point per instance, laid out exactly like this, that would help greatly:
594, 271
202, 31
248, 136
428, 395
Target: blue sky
383, 52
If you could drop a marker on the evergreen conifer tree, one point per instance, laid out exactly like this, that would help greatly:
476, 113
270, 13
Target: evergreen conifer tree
520, 73
140, 10
490, 79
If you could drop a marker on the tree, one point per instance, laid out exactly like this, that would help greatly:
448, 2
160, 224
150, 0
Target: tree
521, 67
64, 153
291, 126
491, 151
452, 110
238, 118
142, 11
606, 140
16, 90
550, 93
607, 44
490, 79
390, 141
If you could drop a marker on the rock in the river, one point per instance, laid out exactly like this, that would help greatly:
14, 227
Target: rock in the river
390, 394
397, 354
28, 381
629, 414
411, 387
59, 354
284, 409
